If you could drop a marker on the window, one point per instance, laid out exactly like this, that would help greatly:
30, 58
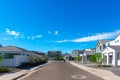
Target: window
100, 47
108, 44
10, 55
118, 56
103, 46
116, 41
27, 54
23, 54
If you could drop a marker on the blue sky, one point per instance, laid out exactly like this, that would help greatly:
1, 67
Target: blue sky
58, 24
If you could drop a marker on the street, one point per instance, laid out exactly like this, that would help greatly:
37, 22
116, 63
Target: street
61, 71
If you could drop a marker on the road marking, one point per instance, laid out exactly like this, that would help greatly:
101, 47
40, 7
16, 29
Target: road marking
79, 77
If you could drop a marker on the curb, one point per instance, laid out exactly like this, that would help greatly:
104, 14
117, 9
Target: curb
98, 72
33, 70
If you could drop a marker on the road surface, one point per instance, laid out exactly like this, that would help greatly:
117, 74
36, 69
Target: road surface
61, 71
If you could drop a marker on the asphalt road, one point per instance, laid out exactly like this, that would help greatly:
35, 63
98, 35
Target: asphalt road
61, 71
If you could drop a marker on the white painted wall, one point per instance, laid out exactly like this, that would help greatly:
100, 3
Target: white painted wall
107, 52
115, 62
16, 61
118, 62
114, 42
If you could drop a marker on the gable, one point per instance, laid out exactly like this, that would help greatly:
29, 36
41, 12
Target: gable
108, 49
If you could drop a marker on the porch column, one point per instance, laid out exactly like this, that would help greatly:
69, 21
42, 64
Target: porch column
107, 58
83, 58
103, 62
114, 62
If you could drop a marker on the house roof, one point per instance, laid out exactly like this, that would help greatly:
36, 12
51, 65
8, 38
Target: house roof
102, 41
89, 52
115, 47
13, 48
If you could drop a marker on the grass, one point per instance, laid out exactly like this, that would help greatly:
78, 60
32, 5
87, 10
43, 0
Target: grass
4, 70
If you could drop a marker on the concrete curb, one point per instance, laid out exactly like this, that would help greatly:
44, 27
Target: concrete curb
21, 74
33, 70
104, 74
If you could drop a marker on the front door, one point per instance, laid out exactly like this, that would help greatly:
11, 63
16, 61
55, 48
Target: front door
110, 59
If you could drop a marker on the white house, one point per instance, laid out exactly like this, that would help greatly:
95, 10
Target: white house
111, 56
86, 54
101, 45
14, 56
115, 42
76, 53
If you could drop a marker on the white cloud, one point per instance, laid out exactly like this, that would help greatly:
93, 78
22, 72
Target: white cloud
37, 36
28, 37
83, 44
14, 33
106, 35
5, 39
56, 33
49, 32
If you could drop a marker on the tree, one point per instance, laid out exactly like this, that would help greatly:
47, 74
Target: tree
38, 60
1, 57
92, 58
97, 58
55, 58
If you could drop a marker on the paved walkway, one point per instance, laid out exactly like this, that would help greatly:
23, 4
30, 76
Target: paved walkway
12, 76
16, 75
105, 74
61, 71
115, 70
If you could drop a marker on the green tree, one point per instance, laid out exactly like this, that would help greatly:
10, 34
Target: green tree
92, 58
55, 58
1, 57
97, 58
38, 60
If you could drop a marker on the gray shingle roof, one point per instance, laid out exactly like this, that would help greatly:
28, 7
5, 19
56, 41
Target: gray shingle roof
104, 41
89, 52
115, 47
13, 48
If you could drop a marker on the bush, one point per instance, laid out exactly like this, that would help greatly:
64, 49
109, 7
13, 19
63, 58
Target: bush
55, 58
25, 64
38, 60
92, 58
78, 58
105, 66
97, 58
4, 70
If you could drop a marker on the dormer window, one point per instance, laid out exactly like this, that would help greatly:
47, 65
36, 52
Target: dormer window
103, 46
116, 41
108, 44
100, 47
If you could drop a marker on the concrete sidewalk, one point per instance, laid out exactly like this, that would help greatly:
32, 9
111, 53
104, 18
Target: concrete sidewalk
105, 74
15, 76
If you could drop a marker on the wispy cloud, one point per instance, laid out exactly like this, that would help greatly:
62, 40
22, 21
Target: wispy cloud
106, 35
49, 32
12, 32
56, 33
5, 39
37, 36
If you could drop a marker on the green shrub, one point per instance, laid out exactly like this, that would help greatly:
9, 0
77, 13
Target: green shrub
25, 64
105, 66
97, 58
92, 58
38, 60
55, 58
4, 70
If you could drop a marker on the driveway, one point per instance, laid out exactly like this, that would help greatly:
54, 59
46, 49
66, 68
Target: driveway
61, 71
